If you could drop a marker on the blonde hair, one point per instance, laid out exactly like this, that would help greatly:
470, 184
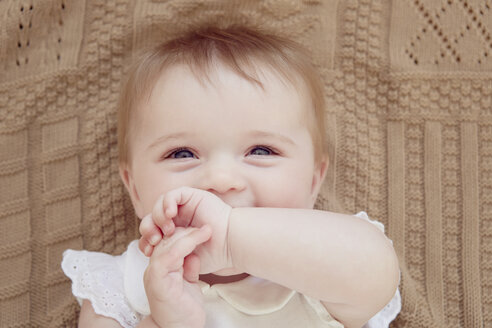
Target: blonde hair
239, 48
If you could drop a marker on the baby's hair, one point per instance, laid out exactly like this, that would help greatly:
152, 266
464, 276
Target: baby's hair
242, 49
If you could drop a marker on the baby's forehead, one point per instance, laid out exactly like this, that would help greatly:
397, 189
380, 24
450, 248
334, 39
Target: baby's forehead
186, 86
184, 92
260, 77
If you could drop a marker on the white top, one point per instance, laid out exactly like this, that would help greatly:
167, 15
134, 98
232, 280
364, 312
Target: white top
114, 286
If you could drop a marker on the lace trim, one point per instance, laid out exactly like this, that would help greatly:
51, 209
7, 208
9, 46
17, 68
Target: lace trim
98, 278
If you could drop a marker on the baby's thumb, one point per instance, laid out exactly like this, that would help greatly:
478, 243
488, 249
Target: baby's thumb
191, 268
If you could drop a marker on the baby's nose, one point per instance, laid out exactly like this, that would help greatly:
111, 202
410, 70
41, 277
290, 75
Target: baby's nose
221, 176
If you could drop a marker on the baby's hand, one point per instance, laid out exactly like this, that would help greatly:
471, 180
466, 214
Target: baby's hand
170, 280
186, 207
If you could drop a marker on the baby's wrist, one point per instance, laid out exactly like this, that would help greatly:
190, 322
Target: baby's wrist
232, 259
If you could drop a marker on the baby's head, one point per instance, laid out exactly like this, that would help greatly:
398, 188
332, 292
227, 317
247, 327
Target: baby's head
197, 93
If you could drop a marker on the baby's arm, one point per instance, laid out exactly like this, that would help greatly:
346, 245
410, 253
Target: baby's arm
344, 261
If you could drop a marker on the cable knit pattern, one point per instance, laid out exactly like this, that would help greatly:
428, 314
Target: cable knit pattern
408, 86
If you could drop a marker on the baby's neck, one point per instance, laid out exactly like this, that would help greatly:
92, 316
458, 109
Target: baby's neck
213, 279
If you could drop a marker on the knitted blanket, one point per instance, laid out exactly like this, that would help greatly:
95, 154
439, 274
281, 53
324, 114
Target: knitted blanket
408, 85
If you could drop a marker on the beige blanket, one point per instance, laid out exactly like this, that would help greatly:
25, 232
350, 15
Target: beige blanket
409, 91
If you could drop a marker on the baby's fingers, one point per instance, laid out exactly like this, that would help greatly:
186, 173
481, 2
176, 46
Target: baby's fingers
162, 217
191, 268
172, 252
150, 231
145, 247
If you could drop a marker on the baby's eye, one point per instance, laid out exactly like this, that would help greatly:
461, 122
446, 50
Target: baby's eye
181, 153
261, 151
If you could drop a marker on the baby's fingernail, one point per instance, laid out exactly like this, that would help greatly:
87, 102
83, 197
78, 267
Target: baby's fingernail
154, 240
167, 229
147, 250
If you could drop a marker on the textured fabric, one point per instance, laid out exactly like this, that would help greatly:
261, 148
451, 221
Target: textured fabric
408, 85
98, 277
114, 285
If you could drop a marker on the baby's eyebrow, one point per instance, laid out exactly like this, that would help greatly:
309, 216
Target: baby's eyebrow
266, 134
168, 137
253, 134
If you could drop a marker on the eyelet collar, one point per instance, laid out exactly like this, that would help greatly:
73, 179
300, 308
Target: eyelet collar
252, 295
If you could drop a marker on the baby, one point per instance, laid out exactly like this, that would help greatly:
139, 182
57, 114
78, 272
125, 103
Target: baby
223, 152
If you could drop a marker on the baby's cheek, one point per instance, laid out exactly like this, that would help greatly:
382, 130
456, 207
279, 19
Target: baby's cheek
288, 194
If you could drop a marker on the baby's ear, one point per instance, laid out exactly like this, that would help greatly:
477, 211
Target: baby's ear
124, 175
319, 175
128, 181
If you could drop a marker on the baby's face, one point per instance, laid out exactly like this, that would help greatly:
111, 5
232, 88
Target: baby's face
250, 147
